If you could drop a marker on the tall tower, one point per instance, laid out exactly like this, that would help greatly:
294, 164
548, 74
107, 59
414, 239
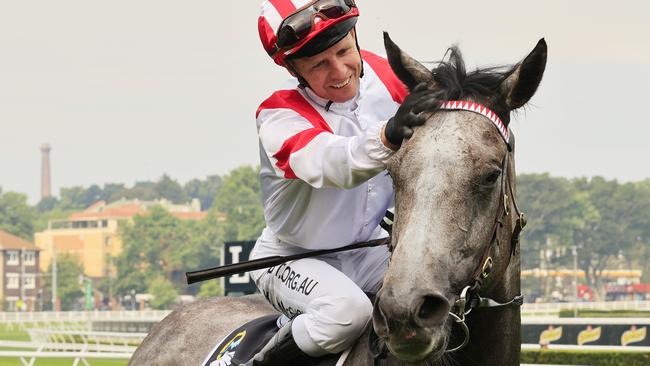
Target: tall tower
46, 188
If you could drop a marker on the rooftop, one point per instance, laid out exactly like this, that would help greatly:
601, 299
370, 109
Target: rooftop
12, 242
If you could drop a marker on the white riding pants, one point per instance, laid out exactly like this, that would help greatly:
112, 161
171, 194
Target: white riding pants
324, 295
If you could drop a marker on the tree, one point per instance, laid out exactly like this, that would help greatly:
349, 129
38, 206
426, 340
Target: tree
159, 245
145, 191
624, 219
164, 293
73, 198
240, 200
210, 288
47, 204
43, 218
170, 189
205, 190
555, 209
16, 216
69, 270
110, 190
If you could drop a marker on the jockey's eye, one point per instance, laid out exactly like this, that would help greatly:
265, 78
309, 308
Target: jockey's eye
490, 179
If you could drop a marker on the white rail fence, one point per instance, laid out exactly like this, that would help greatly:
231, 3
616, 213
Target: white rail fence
82, 316
555, 308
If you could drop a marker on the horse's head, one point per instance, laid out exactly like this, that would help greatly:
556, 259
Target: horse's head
451, 214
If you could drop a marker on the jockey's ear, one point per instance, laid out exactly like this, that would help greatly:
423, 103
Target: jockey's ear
407, 69
525, 77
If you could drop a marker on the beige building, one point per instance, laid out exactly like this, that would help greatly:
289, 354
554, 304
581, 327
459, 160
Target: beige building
19, 280
92, 234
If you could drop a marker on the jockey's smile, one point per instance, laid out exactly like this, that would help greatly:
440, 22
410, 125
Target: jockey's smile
334, 73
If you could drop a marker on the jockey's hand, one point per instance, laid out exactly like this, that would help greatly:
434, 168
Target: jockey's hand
410, 114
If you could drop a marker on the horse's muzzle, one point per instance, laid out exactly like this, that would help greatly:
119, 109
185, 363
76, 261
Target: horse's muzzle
412, 327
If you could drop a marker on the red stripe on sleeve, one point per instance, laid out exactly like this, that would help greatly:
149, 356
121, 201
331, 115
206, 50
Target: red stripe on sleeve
284, 7
291, 145
291, 99
382, 68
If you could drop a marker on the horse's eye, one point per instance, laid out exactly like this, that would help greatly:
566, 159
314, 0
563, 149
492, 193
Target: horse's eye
491, 178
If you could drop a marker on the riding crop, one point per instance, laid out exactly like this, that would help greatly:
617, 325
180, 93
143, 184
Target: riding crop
266, 262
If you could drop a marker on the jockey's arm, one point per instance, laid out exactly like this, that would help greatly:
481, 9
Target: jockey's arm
317, 156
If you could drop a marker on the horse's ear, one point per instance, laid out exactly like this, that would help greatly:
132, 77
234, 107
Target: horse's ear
525, 77
405, 67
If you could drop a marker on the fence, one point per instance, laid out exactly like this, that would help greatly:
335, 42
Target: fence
533, 309
82, 316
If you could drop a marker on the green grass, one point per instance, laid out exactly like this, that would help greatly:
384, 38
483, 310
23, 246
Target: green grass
62, 362
598, 358
12, 333
568, 313
9, 333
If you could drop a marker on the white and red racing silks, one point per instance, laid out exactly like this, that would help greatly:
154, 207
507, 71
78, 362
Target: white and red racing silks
324, 183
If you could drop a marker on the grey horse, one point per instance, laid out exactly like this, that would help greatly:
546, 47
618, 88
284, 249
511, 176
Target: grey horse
454, 242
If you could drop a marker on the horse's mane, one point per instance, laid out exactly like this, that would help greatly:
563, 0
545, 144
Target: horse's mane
481, 85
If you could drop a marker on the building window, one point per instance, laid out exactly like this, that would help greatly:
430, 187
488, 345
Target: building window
29, 282
12, 280
30, 258
12, 258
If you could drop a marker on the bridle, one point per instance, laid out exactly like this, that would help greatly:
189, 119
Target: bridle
469, 297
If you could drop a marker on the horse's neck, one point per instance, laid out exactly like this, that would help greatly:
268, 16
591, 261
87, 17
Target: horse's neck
495, 333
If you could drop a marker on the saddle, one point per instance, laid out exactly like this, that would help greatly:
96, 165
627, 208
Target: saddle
244, 342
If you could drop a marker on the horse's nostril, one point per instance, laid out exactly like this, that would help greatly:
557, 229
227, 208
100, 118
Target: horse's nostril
433, 310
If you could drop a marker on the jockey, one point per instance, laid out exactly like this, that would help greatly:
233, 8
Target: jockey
324, 144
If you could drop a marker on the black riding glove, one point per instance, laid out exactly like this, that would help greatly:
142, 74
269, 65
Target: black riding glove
409, 114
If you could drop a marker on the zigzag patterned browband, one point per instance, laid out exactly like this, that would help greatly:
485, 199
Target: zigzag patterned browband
482, 110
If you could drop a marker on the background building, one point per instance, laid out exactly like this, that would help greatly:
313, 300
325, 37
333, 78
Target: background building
19, 280
92, 234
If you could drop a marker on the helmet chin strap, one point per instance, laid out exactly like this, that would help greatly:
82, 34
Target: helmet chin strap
356, 40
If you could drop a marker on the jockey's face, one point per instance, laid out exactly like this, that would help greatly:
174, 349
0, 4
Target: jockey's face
334, 73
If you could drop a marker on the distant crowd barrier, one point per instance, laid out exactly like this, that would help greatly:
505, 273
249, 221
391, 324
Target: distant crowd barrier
529, 309
82, 316
554, 308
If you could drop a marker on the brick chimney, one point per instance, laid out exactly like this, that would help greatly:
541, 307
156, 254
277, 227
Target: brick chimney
46, 188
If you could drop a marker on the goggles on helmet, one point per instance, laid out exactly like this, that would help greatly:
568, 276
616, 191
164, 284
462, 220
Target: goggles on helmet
297, 26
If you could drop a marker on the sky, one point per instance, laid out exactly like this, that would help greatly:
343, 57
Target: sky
126, 91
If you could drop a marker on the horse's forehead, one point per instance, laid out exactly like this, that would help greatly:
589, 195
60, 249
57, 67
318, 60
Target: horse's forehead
456, 140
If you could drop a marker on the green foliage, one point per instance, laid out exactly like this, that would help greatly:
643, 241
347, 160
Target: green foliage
47, 204
240, 200
43, 218
602, 219
600, 358
68, 270
159, 245
210, 288
78, 198
164, 293
16, 216
170, 189
204, 190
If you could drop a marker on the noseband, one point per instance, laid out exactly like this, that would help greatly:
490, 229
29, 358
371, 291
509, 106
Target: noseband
469, 298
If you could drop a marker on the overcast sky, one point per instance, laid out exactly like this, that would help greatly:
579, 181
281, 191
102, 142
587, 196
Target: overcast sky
130, 90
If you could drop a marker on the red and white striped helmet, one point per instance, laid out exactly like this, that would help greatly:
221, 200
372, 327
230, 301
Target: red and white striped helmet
312, 17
